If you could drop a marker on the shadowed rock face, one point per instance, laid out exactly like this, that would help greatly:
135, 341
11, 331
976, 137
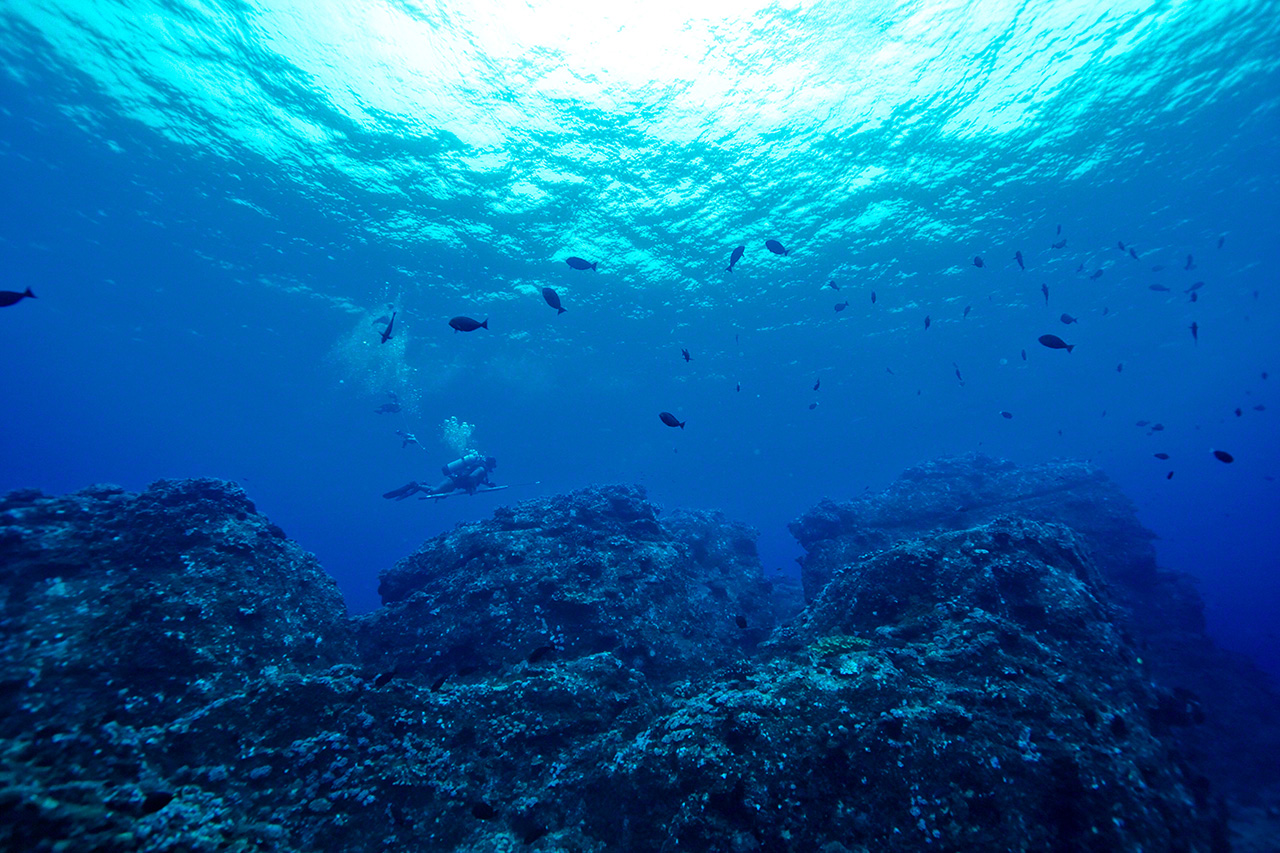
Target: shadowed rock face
570, 675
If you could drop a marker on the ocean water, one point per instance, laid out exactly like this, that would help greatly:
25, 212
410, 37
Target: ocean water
215, 202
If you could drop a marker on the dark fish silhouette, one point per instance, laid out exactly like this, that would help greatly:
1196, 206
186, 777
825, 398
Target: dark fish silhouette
927, 322
384, 678
739, 386
1044, 288
840, 306
685, 353
977, 261
776, 247
580, 264
1193, 288
1132, 253
1195, 331
1259, 408
1162, 455
736, 256
1120, 367
1223, 456
1061, 244
438, 683
1157, 427
1024, 355
553, 299
12, 297
1158, 288
671, 420
386, 333
1195, 297
1080, 268
1169, 476
1222, 240
1142, 423
1120, 243
1017, 256
388, 408
740, 621
1055, 342
1097, 274
832, 284
1006, 415
466, 324
958, 376
1191, 263
816, 384
1239, 412
967, 309
1059, 230
1068, 319
813, 406
873, 297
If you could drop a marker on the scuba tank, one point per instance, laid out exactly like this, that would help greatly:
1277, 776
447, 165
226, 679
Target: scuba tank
462, 466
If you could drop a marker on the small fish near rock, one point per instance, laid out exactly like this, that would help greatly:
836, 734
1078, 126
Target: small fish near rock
1055, 342
581, 264
736, 256
553, 299
776, 247
13, 297
466, 324
671, 420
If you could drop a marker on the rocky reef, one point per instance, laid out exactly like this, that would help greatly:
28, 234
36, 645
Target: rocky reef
582, 672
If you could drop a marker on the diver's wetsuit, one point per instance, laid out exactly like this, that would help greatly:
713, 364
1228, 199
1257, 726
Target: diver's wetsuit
467, 473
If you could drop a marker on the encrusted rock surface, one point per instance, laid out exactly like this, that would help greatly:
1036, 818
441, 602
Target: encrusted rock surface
579, 672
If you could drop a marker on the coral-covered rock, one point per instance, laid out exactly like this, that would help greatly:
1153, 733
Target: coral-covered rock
578, 574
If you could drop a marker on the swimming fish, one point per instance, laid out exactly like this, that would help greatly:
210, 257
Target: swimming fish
1097, 274
813, 406
1068, 319
977, 261
580, 264
739, 386
776, 247
816, 384
840, 306
671, 420
466, 324
386, 333
873, 297
1120, 243
685, 353
1142, 423
1006, 415
967, 309
1223, 456
1221, 240
1132, 253
1061, 244
1120, 367
1195, 297
1162, 455
553, 299
1055, 342
927, 321
387, 409
1158, 288
1191, 263
1059, 230
740, 621
12, 297
1017, 256
1169, 476
832, 284
1024, 355
736, 256
1157, 427
1193, 288
1195, 331
1044, 288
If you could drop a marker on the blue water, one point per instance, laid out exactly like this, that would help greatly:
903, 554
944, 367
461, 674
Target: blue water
214, 202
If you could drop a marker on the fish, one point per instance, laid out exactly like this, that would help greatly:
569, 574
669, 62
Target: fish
1044, 288
1006, 415
1105, 310
1132, 253
1061, 244
553, 299
539, 653
1195, 331
1162, 455
1193, 288
1169, 476
776, 247
736, 256
1120, 367
1067, 319
1142, 423
685, 353
671, 420
386, 333
873, 297
1158, 288
739, 386
1191, 263
580, 264
740, 621
958, 376
813, 406
977, 261
1195, 297
840, 306
1222, 240
438, 683
1239, 412
1157, 427
832, 284
1259, 408
12, 297
816, 384
387, 409
927, 322
1223, 456
1059, 229
384, 678
1095, 275
1017, 256
466, 324
967, 309
1055, 342
1024, 355
1120, 243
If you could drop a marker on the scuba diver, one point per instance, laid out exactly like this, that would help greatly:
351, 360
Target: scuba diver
467, 473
